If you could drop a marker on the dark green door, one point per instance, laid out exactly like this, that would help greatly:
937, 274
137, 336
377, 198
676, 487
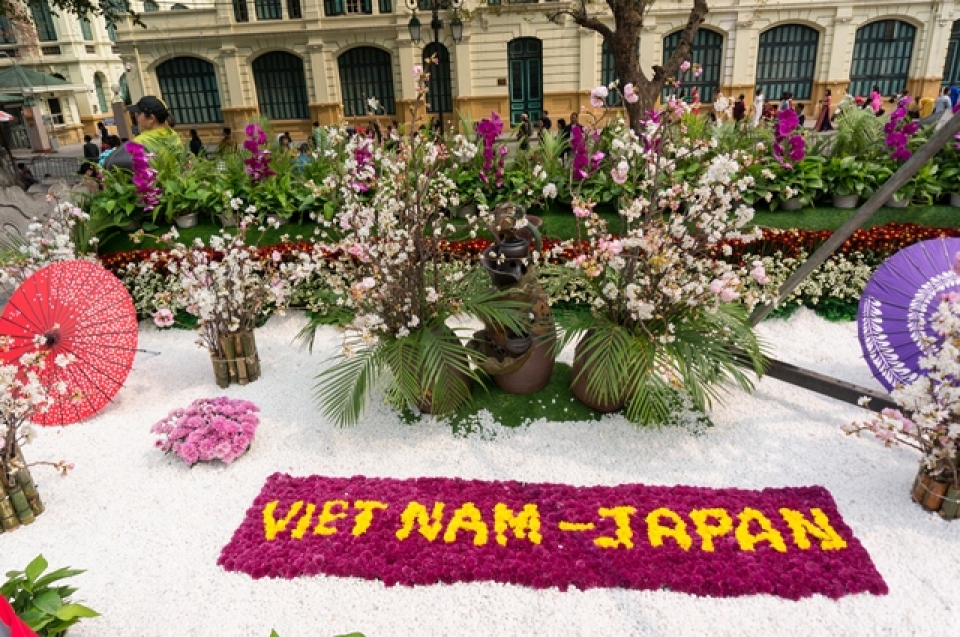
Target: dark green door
526, 78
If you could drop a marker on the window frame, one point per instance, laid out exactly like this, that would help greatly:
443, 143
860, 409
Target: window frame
185, 98
281, 73
354, 83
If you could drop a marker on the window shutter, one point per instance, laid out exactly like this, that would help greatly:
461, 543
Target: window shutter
386, 6
367, 6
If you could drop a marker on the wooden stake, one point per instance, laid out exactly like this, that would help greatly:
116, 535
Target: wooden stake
253, 356
25, 480
934, 496
230, 353
241, 358
950, 509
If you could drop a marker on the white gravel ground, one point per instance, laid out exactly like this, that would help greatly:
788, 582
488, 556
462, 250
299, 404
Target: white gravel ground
149, 530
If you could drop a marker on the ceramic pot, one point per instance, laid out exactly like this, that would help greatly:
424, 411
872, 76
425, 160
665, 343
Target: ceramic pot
280, 220
227, 222
792, 203
533, 375
892, 202
955, 199
845, 201
187, 220
579, 376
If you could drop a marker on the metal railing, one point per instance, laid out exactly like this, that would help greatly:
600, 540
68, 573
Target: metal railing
47, 168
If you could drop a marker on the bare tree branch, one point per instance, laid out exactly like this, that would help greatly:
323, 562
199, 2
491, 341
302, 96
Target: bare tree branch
685, 47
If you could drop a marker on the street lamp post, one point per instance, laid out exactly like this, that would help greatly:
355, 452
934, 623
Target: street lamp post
436, 24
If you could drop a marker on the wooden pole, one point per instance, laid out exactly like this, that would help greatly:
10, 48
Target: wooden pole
909, 168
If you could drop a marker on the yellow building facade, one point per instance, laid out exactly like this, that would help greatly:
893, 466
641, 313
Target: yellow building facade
299, 61
80, 53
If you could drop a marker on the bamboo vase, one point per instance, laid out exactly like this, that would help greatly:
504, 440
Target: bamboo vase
934, 495
19, 502
240, 362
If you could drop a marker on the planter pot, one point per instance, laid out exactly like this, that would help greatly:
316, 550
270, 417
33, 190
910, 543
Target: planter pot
425, 405
227, 222
935, 495
580, 375
955, 199
533, 375
131, 226
278, 219
845, 201
187, 221
893, 202
466, 211
240, 363
793, 203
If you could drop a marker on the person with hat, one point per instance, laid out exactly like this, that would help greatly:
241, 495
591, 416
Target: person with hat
153, 122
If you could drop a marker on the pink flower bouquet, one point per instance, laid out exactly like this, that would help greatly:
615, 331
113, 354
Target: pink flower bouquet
209, 429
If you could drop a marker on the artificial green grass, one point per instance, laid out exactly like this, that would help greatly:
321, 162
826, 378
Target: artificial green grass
827, 218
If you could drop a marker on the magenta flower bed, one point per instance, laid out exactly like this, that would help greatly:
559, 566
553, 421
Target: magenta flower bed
789, 542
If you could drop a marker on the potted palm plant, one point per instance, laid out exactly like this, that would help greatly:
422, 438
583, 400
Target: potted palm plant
663, 324
398, 285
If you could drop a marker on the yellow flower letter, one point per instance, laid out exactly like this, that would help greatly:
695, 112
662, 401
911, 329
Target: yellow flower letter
723, 525
525, 525
272, 526
362, 522
467, 518
416, 512
304, 522
656, 532
820, 528
748, 540
327, 516
620, 515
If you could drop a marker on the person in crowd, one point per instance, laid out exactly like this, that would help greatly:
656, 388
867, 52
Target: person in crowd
739, 108
196, 144
374, 131
801, 118
302, 158
524, 131
26, 176
90, 176
785, 102
154, 124
545, 121
90, 150
758, 103
110, 144
824, 119
316, 137
103, 132
876, 101
942, 110
954, 95
228, 144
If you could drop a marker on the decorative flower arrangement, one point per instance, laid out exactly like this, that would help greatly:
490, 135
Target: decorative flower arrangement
789, 542
898, 132
663, 318
399, 289
227, 286
929, 416
209, 429
60, 237
786, 136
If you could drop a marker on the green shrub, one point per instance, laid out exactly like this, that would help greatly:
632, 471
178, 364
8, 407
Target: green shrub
46, 609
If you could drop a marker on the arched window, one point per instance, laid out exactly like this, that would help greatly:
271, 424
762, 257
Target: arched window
86, 29
608, 73
43, 19
124, 89
281, 86
525, 57
98, 87
150, 6
189, 87
366, 72
951, 67
707, 51
786, 61
881, 57
440, 93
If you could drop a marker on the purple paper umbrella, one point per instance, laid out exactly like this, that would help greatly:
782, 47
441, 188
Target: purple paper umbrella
897, 305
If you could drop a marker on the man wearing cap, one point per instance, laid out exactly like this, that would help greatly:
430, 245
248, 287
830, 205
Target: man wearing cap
155, 133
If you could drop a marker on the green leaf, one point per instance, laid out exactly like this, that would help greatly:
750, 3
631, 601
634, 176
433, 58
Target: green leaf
59, 574
35, 568
48, 601
74, 611
273, 633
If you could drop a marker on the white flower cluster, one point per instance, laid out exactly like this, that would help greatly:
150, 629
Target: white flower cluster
54, 239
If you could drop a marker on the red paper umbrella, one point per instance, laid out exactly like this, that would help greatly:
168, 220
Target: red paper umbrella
76, 308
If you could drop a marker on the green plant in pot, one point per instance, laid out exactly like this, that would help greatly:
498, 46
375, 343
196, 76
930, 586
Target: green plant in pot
948, 173
846, 179
663, 321
188, 189
399, 286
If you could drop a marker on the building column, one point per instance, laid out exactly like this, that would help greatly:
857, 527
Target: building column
324, 109
236, 113
839, 57
746, 39
408, 54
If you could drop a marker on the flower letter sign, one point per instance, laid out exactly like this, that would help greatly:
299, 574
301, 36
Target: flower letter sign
789, 542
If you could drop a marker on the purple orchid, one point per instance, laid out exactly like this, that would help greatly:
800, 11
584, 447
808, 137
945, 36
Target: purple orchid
144, 176
899, 131
489, 131
258, 163
787, 141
